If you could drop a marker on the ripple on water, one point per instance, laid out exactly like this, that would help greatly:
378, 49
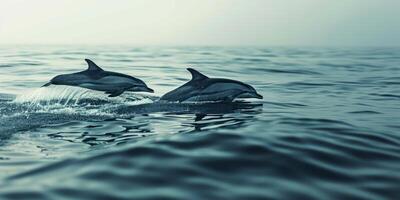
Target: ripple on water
180, 164
328, 128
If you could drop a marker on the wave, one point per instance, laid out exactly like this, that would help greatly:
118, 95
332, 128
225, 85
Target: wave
220, 161
328, 128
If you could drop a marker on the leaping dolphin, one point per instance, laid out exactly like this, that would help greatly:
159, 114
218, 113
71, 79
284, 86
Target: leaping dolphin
95, 78
204, 89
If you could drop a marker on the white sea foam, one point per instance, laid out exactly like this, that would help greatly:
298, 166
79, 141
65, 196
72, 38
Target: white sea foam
55, 94
67, 99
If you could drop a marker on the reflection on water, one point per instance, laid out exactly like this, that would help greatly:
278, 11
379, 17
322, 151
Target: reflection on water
49, 128
327, 128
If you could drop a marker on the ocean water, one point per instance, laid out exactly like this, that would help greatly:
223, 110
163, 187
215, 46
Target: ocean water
327, 128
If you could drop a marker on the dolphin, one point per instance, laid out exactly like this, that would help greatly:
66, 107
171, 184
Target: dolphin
204, 89
95, 78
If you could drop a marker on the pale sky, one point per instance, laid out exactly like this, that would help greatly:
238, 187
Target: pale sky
201, 22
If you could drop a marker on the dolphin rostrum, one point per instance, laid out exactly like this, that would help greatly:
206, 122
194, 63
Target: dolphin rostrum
204, 89
95, 78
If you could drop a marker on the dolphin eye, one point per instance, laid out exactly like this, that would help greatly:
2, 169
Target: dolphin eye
250, 88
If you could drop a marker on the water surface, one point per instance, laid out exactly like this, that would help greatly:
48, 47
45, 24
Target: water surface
327, 128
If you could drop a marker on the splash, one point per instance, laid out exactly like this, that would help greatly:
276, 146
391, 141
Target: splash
56, 95
67, 95
70, 100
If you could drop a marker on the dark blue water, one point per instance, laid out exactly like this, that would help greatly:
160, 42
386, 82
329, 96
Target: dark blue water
327, 128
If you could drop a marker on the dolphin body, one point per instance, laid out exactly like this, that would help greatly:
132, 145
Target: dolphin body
204, 89
95, 78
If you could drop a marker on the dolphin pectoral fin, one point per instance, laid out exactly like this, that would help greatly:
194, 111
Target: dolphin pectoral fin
199, 117
47, 84
228, 99
115, 93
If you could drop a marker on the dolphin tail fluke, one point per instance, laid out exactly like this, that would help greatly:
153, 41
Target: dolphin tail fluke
47, 84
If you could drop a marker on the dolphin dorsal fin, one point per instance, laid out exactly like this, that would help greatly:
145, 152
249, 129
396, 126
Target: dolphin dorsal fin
92, 66
196, 76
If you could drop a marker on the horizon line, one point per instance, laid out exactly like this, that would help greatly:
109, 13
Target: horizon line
192, 45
